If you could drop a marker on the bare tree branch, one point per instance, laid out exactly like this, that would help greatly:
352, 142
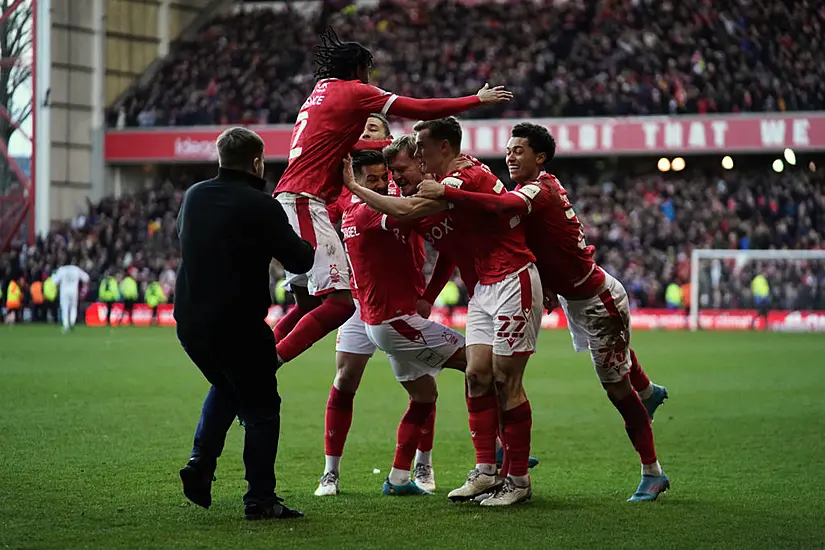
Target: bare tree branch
20, 41
16, 37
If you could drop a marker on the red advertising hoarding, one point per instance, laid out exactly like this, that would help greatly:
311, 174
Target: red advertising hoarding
682, 135
642, 319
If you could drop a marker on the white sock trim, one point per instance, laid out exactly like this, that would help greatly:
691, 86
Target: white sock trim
424, 457
654, 469
399, 477
521, 481
332, 464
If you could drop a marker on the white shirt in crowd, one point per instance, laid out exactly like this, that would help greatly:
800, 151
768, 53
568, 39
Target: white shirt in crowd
69, 278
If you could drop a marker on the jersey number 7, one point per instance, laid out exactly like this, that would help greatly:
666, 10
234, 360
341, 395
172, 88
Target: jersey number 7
300, 125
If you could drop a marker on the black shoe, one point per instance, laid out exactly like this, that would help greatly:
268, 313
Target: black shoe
197, 482
273, 510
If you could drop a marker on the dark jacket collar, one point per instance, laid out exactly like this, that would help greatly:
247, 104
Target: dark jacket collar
230, 175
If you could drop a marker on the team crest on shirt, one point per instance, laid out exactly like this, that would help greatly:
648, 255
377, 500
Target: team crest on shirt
450, 337
334, 274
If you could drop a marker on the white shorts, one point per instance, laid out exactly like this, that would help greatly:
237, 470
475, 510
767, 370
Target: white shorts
507, 314
602, 326
352, 335
415, 346
310, 219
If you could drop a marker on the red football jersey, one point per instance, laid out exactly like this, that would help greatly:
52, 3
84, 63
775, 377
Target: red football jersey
497, 243
383, 268
337, 208
440, 231
327, 128
556, 236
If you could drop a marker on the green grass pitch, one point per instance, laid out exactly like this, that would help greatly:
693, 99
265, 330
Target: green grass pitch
95, 425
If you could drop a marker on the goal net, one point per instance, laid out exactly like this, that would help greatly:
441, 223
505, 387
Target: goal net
781, 290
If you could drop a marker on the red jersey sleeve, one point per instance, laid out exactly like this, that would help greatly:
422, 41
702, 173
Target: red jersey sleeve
371, 144
514, 202
429, 109
388, 223
371, 99
335, 212
477, 179
370, 219
375, 100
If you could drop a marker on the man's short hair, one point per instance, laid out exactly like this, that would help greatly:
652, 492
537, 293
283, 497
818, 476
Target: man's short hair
367, 157
405, 143
238, 147
384, 121
538, 138
442, 129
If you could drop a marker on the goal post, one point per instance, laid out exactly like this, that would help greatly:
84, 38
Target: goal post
739, 258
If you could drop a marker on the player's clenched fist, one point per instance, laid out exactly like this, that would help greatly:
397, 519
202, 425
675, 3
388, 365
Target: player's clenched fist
491, 96
462, 162
551, 300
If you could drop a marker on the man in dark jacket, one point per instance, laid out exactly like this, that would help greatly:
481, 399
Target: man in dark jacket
229, 232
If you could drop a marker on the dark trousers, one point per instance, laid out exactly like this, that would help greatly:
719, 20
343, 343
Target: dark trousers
241, 369
128, 307
55, 312
109, 307
39, 312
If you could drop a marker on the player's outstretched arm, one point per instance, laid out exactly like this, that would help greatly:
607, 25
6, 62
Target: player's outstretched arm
512, 202
429, 109
404, 209
371, 144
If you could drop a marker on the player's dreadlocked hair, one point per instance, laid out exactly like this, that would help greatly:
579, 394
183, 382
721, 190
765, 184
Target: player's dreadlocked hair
336, 59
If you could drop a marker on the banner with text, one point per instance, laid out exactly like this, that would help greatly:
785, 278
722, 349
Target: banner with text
642, 319
682, 135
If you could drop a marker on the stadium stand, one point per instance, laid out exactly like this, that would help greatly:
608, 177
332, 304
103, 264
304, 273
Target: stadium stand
577, 58
617, 57
643, 228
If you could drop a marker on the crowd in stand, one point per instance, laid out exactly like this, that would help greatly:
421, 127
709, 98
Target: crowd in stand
562, 58
131, 236
644, 229
571, 58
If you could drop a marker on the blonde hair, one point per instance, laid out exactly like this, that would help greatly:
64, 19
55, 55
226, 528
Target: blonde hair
404, 143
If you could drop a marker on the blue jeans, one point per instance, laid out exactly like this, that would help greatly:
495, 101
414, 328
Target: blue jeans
241, 369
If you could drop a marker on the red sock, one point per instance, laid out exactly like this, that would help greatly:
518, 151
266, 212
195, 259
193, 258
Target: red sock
313, 326
483, 425
409, 433
286, 323
337, 422
518, 423
637, 424
425, 444
638, 377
